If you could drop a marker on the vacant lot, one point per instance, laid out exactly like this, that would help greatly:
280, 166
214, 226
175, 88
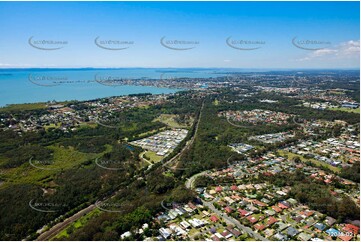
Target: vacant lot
315, 162
152, 156
350, 110
23, 107
170, 120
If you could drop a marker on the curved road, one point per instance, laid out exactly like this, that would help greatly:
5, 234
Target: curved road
235, 125
190, 181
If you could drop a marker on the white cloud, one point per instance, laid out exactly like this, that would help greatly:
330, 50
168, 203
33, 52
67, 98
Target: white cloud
349, 49
323, 52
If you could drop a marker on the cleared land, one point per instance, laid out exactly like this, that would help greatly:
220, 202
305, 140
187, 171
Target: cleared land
169, 119
349, 110
315, 162
63, 159
76, 224
152, 156
23, 107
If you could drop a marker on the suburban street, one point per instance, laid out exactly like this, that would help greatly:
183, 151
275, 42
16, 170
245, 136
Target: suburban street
234, 222
229, 220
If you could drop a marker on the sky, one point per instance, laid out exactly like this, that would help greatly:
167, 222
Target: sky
209, 34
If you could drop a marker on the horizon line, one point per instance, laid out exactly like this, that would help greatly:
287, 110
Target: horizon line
245, 68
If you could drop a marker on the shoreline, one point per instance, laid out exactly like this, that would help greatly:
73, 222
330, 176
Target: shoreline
166, 91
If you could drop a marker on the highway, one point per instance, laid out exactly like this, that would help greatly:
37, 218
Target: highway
53, 231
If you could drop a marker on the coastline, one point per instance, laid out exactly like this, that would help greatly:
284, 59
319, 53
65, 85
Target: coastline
128, 90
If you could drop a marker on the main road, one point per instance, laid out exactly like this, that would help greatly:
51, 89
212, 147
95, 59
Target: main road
53, 231
190, 181
189, 143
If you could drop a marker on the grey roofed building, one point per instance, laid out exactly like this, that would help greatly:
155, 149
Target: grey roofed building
304, 237
280, 237
292, 231
310, 222
243, 203
270, 212
165, 232
164, 217
330, 221
281, 226
286, 203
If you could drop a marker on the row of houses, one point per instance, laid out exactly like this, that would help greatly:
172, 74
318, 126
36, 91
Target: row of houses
257, 116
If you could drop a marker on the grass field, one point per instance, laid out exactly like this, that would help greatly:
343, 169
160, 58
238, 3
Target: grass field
315, 162
349, 110
23, 107
52, 126
153, 156
169, 119
88, 125
64, 158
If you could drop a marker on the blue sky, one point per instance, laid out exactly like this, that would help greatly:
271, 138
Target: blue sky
207, 25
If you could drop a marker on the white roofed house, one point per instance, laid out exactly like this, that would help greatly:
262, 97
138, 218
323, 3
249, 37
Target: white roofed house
165, 232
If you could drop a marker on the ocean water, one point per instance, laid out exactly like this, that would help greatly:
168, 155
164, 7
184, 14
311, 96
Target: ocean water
42, 85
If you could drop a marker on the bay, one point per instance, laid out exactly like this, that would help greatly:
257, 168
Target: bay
42, 85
